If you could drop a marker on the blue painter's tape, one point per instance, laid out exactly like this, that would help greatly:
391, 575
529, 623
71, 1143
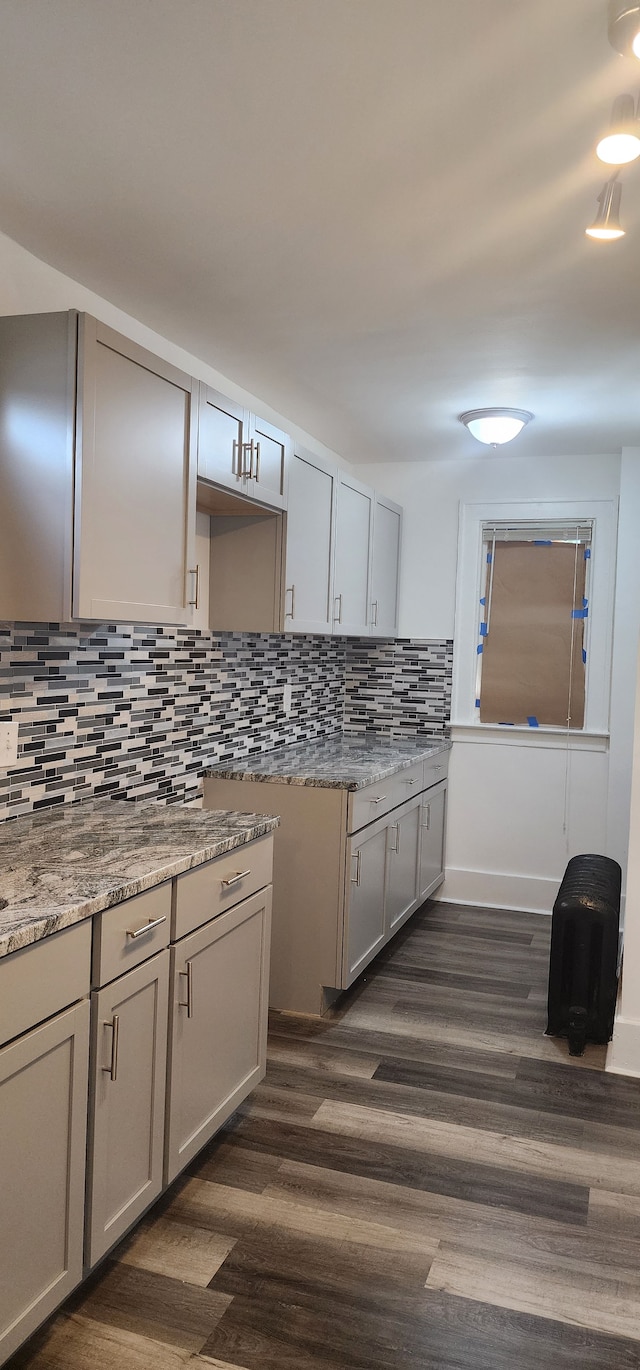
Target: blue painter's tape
484, 629
585, 603
489, 558
542, 542
580, 613
480, 650
483, 600
587, 554
477, 703
533, 722
584, 656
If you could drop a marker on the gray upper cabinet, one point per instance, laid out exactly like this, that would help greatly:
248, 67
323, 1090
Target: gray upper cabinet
387, 528
240, 451
97, 475
311, 520
354, 534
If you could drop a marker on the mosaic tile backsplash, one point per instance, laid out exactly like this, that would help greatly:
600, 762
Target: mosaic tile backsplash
137, 712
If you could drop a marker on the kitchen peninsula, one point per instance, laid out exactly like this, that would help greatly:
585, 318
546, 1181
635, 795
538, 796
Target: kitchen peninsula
359, 848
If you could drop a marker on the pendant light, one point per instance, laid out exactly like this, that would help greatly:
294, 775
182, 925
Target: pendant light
495, 426
622, 143
624, 27
606, 224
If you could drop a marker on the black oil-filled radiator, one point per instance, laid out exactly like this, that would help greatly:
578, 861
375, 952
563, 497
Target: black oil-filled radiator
583, 970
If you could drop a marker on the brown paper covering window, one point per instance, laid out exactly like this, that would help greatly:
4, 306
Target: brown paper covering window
526, 658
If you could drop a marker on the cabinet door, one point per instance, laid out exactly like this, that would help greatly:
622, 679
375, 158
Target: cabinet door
310, 536
219, 1024
432, 840
135, 483
364, 904
387, 524
129, 1055
267, 458
402, 868
43, 1110
221, 433
353, 557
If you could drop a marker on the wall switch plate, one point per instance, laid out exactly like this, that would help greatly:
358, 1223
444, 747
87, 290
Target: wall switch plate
286, 699
8, 745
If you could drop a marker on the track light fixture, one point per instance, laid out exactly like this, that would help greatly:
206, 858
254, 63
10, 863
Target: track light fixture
495, 426
622, 143
606, 224
624, 27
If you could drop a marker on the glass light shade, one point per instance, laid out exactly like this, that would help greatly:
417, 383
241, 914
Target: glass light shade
619, 148
495, 426
624, 26
635, 46
607, 224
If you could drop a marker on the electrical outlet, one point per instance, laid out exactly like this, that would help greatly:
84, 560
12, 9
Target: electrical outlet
286, 699
8, 745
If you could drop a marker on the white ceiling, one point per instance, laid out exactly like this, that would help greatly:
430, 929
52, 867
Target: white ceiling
371, 213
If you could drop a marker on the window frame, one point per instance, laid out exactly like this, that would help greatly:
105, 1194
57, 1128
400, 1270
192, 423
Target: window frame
602, 514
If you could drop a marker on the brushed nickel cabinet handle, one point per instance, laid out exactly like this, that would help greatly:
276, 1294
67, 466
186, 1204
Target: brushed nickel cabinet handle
337, 618
380, 800
374, 616
233, 879
396, 827
257, 474
146, 927
237, 459
427, 810
188, 1002
411, 782
358, 856
195, 572
291, 590
247, 448
112, 1068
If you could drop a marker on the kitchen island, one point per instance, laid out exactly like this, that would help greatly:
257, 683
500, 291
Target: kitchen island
359, 848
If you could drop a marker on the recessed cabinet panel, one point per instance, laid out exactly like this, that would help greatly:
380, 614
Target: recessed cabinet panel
43, 1096
364, 903
268, 456
402, 867
353, 558
129, 1053
218, 1032
220, 437
135, 483
387, 525
310, 531
432, 840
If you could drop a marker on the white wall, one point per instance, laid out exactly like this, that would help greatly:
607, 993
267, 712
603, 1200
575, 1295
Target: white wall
30, 286
506, 843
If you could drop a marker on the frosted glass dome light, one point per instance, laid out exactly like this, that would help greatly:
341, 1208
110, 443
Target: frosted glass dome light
495, 426
621, 144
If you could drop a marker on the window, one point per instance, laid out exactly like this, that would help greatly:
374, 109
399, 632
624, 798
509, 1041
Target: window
534, 611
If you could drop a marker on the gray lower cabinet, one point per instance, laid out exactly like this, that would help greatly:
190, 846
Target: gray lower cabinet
126, 1114
217, 1052
43, 1112
432, 825
402, 871
365, 911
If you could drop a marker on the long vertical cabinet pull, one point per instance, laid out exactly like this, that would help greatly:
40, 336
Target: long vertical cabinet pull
426, 809
291, 590
355, 880
337, 617
112, 1069
188, 1002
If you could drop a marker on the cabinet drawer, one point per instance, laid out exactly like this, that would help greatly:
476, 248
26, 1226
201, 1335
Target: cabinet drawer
375, 800
208, 890
435, 769
120, 936
42, 979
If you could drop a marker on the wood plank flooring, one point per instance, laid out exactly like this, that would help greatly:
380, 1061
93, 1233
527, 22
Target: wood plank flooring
423, 1182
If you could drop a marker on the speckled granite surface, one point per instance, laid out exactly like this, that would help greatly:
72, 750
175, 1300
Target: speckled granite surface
60, 866
341, 762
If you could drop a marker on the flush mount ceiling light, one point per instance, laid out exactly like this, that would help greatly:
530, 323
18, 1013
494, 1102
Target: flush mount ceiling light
622, 143
624, 27
495, 426
606, 224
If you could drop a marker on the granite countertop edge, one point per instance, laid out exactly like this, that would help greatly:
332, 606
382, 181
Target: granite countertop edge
260, 773
20, 927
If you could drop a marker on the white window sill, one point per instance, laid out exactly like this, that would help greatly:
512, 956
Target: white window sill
514, 735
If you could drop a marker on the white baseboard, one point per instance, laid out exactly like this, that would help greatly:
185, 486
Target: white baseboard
623, 1053
495, 890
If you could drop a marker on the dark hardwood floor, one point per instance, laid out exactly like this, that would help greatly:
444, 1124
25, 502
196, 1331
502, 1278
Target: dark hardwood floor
423, 1182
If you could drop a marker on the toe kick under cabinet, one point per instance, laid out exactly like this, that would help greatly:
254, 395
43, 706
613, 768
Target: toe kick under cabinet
350, 867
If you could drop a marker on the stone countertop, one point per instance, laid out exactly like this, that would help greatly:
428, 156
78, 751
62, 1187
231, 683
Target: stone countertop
62, 865
341, 762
